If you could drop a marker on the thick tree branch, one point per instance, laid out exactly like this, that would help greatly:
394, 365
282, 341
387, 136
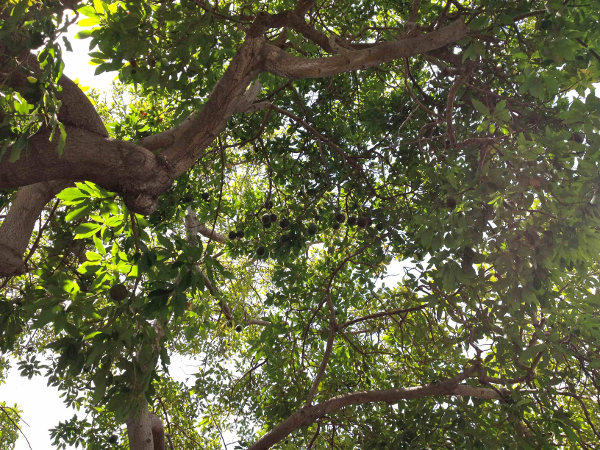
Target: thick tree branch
119, 166
309, 414
135, 171
283, 64
184, 145
19, 222
77, 111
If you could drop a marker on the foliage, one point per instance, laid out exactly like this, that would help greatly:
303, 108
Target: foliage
384, 228
9, 420
9, 416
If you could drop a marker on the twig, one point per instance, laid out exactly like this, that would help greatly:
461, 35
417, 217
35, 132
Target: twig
382, 314
322, 367
16, 425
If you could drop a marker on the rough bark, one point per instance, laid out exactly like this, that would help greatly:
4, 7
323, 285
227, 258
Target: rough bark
136, 173
140, 173
139, 429
158, 432
20, 220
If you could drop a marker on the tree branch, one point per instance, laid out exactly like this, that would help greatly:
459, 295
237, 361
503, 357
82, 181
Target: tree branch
283, 64
309, 414
119, 166
382, 314
19, 222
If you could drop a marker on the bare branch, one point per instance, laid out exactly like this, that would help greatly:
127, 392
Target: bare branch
193, 226
283, 64
317, 380
382, 314
309, 414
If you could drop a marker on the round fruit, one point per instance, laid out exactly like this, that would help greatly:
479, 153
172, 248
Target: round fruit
205, 196
273, 217
261, 251
380, 226
232, 235
266, 219
71, 351
239, 328
451, 202
240, 234
352, 220
118, 292
363, 221
577, 138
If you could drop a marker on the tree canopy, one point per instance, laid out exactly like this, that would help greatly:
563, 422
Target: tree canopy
370, 224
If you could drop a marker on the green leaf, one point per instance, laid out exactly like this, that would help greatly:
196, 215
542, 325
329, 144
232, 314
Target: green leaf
78, 213
99, 246
90, 21
480, 107
92, 256
98, 6
15, 152
72, 196
83, 34
93, 334
531, 352
87, 11
86, 230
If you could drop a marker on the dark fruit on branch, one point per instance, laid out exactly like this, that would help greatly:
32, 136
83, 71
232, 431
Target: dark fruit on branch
261, 251
239, 328
232, 235
352, 220
577, 138
363, 221
118, 292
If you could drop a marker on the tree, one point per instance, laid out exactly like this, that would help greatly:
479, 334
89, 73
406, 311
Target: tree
273, 164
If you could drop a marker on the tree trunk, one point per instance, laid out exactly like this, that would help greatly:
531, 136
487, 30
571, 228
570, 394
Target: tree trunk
145, 430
